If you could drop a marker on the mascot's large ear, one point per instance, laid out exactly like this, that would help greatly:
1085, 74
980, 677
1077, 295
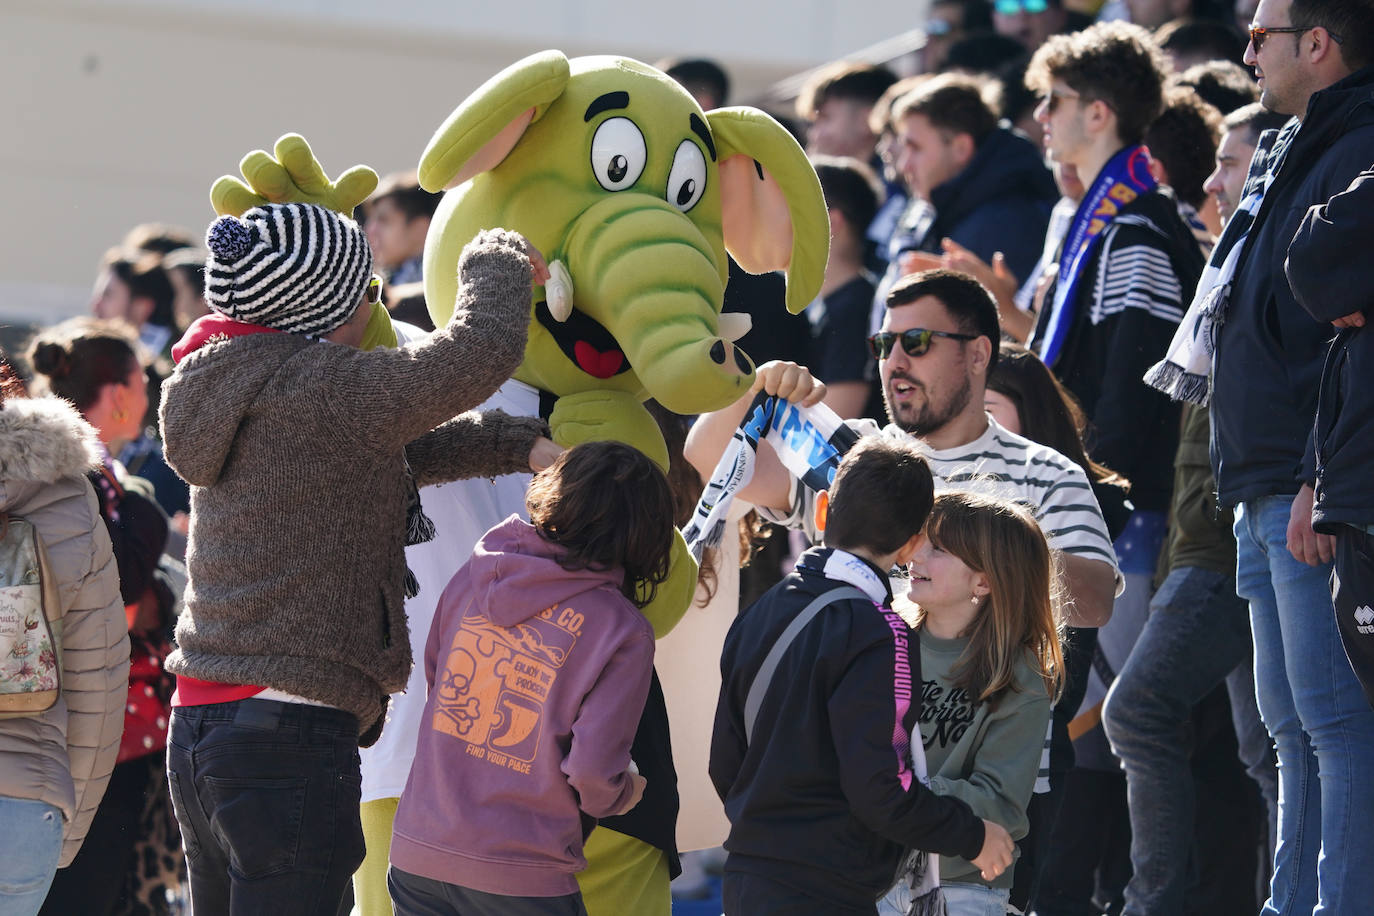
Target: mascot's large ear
485, 128
772, 209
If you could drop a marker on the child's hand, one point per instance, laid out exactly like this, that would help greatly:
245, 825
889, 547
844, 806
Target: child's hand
997, 851
537, 262
543, 453
637, 784
790, 382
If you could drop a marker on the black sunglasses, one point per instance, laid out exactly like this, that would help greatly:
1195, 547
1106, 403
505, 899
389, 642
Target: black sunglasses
915, 341
1260, 33
374, 290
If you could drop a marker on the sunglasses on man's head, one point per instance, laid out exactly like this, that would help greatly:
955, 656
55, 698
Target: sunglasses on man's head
374, 290
1012, 7
915, 341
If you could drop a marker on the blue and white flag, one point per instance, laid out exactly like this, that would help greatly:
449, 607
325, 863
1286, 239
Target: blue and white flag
810, 441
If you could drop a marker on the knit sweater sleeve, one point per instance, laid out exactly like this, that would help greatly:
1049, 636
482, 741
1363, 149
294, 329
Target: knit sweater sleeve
474, 444
386, 398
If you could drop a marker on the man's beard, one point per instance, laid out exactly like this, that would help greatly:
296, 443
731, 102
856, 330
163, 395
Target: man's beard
929, 418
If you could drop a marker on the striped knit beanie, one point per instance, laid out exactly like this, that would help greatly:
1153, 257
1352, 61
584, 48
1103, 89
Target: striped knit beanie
297, 268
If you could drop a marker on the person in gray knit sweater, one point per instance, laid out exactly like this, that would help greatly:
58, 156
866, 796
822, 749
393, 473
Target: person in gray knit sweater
304, 455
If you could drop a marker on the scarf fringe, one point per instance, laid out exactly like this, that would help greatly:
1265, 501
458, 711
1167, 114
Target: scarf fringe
1178, 383
930, 904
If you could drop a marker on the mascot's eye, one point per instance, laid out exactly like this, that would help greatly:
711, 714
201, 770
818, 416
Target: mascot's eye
687, 179
618, 154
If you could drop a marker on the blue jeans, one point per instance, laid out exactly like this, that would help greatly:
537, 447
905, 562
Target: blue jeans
30, 845
975, 900
1313, 707
267, 797
1196, 636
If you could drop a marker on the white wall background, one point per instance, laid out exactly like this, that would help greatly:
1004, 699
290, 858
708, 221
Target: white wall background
116, 112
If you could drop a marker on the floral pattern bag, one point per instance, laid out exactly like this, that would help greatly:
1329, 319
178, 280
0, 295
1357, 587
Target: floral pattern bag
30, 623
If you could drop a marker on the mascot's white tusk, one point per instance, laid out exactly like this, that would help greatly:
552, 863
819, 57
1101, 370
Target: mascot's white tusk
558, 291
734, 325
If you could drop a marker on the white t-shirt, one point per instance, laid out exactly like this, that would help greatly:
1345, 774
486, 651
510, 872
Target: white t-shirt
462, 511
1001, 464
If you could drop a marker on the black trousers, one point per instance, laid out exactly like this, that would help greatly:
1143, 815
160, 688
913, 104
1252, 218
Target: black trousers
267, 797
1352, 592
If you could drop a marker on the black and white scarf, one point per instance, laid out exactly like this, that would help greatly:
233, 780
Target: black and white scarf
1184, 373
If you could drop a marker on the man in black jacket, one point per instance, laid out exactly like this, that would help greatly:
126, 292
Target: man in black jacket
822, 794
1313, 61
1330, 277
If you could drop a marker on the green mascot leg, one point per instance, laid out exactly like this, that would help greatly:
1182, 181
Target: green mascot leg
370, 895
623, 876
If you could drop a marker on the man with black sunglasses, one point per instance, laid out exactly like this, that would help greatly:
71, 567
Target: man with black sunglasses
1313, 60
938, 342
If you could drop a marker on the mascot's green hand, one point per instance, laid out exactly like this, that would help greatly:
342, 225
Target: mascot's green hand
292, 175
602, 414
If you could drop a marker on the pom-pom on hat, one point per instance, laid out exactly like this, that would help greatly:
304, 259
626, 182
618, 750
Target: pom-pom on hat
297, 268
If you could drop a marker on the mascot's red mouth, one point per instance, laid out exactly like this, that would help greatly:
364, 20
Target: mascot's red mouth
585, 341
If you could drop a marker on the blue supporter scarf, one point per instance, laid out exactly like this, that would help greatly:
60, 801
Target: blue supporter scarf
1124, 178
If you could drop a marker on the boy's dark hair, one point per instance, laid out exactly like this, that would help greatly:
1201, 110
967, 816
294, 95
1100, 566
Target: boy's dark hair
77, 358
1014, 98
983, 52
850, 187
611, 507
880, 497
698, 75
857, 82
1114, 62
403, 189
1184, 138
1209, 38
143, 273
1351, 21
1220, 83
954, 104
968, 302
1255, 119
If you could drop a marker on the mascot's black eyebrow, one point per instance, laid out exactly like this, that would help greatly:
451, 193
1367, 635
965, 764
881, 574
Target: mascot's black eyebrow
608, 102
700, 130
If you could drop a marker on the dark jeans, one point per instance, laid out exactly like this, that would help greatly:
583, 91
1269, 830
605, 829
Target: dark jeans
1196, 637
267, 796
414, 895
1352, 592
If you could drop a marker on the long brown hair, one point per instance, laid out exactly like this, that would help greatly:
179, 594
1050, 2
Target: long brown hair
1003, 542
610, 506
1048, 412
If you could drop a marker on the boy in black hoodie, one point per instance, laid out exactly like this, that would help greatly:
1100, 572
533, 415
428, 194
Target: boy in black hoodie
812, 747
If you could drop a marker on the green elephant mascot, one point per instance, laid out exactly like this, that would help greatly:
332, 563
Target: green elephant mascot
634, 195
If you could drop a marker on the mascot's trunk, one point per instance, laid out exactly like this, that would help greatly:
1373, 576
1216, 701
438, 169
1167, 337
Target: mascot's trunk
645, 272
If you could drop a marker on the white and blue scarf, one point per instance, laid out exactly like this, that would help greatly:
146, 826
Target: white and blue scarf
810, 441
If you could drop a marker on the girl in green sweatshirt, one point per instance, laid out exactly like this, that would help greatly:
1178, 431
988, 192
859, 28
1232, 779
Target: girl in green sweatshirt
981, 586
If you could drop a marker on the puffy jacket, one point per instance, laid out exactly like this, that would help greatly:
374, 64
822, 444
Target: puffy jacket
64, 756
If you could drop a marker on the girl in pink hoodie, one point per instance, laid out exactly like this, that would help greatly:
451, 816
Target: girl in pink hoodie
538, 665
